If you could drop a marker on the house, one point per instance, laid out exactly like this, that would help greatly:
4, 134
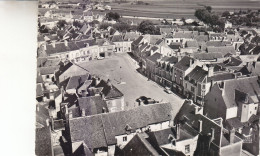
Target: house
233, 98
111, 95
180, 70
103, 132
119, 43
175, 140
213, 138
195, 84
69, 70
151, 63
75, 82
106, 47
88, 16
164, 70
47, 73
190, 47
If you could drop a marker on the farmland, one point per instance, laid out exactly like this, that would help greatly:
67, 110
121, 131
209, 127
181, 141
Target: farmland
180, 8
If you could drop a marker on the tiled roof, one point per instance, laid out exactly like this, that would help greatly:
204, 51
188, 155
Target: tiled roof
198, 74
59, 48
154, 48
202, 38
84, 28
234, 123
215, 44
175, 45
92, 105
39, 91
159, 42
48, 70
76, 81
101, 42
39, 78
192, 44
84, 43
234, 61
154, 57
182, 35
208, 56
43, 141
223, 76
224, 49
89, 129
184, 63
172, 60
138, 40
247, 85
131, 36
117, 38
100, 130
109, 90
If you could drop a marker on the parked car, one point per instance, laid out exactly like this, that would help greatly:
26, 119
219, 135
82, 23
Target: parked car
168, 90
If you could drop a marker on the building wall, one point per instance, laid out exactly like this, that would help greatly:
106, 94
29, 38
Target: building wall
231, 150
72, 71
159, 126
120, 139
58, 101
76, 145
248, 110
45, 79
214, 101
115, 105
180, 145
231, 113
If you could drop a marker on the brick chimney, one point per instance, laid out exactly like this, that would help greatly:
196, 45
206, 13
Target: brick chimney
82, 112
70, 115
210, 71
178, 131
53, 44
200, 125
232, 135
66, 43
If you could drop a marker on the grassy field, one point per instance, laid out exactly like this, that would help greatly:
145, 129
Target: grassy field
180, 8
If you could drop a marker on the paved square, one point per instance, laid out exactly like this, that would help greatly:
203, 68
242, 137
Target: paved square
122, 66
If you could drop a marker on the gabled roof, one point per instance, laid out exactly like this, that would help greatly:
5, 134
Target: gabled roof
175, 45
84, 28
184, 63
154, 57
224, 49
215, 43
63, 69
247, 85
172, 60
109, 90
234, 61
48, 70
183, 35
202, 38
92, 105
192, 44
117, 38
101, 42
138, 40
100, 130
76, 81
39, 91
198, 74
159, 42
208, 56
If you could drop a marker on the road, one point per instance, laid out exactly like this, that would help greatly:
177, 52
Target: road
122, 66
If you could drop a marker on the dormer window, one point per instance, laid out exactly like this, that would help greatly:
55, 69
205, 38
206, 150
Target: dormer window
125, 139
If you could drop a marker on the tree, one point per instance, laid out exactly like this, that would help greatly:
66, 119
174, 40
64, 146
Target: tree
147, 27
61, 24
104, 26
112, 16
122, 27
225, 14
208, 8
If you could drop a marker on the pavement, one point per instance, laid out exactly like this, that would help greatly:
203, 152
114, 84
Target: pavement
122, 68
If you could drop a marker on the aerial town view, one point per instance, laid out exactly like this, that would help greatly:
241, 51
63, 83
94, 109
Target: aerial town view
148, 78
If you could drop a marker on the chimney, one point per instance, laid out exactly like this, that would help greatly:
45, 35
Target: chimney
79, 81
62, 93
66, 109
44, 46
200, 125
198, 110
53, 44
52, 123
97, 81
70, 115
109, 82
84, 93
211, 71
104, 110
178, 131
82, 112
212, 134
66, 43
231, 136
191, 62
179, 58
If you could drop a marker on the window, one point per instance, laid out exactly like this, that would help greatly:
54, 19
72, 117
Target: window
203, 86
244, 106
187, 149
192, 89
125, 138
255, 108
47, 76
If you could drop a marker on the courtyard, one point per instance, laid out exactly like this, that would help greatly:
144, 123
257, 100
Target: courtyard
122, 68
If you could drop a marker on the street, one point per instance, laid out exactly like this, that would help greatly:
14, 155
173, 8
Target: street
122, 68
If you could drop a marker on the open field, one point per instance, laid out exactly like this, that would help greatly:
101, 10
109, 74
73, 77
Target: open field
180, 8
136, 85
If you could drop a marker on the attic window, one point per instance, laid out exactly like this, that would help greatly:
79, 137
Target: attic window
125, 139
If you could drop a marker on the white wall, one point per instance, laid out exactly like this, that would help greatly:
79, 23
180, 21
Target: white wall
231, 113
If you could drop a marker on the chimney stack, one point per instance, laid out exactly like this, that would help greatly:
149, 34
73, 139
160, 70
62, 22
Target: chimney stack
232, 136
191, 62
83, 112
200, 125
70, 115
84, 93
66, 109
178, 131
44, 46
211, 71
212, 134
179, 58
66, 43
53, 44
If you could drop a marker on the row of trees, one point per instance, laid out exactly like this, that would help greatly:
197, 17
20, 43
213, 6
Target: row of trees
205, 14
